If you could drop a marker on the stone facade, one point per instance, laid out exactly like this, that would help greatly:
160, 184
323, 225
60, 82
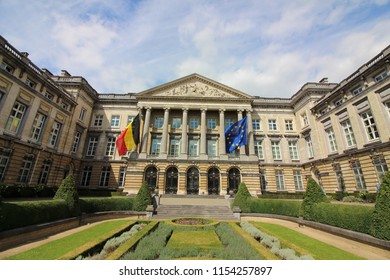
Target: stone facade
52, 125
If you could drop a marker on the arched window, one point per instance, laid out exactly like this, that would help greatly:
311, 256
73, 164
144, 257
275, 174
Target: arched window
234, 180
213, 180
171, 180
150, 177
193, 181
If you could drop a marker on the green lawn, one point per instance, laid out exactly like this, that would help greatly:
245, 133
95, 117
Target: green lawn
204, 240
57, 248
304, 244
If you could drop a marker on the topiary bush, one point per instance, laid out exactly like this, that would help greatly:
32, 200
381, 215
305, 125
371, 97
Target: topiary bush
313, 195
68, 192
143, 198
380, 225
242, 198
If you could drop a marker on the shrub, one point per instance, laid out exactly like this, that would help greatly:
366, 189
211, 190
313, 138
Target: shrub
352, 198
314, 194
380, 226
242, 198
273, 206
91, 205
143, 198
352, 217
68, 192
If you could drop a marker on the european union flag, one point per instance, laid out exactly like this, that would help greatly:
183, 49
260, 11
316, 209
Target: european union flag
235, 135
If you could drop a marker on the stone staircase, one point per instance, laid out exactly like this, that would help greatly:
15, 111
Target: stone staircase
170, 208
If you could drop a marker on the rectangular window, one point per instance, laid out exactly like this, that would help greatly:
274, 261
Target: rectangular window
272, 125
370, 126
92, 145
130, 119
176, 123
115, 121
49, 96
380, 166
305, 119
276, 154
338, 102
380, 76
279, 180
86, 178
4, 159
293, 149
212, 148
388, 106
54, 134
24, 171
7, 67
43, 176
16, 117
228, 122
193, 147
348, 133
357, 90
331, 140
64, 106
122, 176
358, 173
83, 113
174, 147
37, 127
29, 82
110, 148
98, 121
76, 141
155, 147
194, 123
256, 125
105, 176
289, 125
211, 123
309, 147
158, 122
259, 149
298, 180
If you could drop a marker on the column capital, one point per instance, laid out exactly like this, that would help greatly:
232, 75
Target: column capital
166, 108
185, 109
148, 108
222, 110
203, 109
240, 110
249, 111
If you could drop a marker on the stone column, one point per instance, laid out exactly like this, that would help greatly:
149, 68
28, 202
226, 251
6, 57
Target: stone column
145, 133
164, 139
184, 141
222, 141
203, 132
251, 140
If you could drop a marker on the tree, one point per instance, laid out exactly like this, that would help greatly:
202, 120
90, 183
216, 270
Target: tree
380, 223
314, 195
68, 192
242, 198
143, 198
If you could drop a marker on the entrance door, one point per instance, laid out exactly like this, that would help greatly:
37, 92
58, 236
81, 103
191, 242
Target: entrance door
234, 180
151, 177
171, 180
193, 181
213, 181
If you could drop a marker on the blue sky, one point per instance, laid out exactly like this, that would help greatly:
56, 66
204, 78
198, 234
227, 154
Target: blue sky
263, 48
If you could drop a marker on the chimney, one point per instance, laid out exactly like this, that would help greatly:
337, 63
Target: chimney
25, 54
65, 73
324, 81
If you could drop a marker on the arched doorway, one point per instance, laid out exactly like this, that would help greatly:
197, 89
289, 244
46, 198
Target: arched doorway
213, 181
150, 177
193, 181
171, 180
234, 177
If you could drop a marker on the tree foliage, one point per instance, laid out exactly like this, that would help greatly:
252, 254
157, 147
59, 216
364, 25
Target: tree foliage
143, 198
242, 198
68, 192
380, 223
314, 195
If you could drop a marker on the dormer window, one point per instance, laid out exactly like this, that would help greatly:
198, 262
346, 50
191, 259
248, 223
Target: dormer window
338, 102
64, 106
29, 82
49, 96
380, 76
7, 67
357, 90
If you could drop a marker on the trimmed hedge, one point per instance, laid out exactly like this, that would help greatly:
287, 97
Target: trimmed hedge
20, 214
91, 205
281, 195
273, 206
351, 217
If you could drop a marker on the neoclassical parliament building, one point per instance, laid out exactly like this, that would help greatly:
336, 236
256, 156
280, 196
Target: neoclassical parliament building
53, 125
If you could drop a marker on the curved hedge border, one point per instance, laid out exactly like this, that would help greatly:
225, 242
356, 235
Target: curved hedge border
26, 213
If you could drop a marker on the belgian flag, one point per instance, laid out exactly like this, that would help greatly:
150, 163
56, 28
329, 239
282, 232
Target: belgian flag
129, 138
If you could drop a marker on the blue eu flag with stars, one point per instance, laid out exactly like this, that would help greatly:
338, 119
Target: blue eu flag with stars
235, 135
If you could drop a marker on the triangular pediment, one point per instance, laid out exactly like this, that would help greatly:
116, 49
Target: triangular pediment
193, 86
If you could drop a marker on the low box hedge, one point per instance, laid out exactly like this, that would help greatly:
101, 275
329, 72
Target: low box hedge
352, 217
273, 206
